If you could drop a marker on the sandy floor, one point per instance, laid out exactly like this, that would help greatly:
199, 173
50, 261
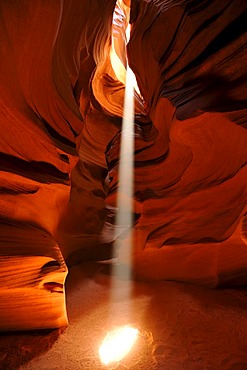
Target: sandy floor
182, 327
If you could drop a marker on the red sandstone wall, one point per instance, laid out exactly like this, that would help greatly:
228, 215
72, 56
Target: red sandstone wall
190, 157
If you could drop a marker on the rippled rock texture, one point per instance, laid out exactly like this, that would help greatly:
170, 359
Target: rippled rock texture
61, 114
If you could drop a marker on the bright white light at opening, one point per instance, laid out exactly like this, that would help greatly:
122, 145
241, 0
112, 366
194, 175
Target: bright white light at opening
128, 33
118, 47
117, 344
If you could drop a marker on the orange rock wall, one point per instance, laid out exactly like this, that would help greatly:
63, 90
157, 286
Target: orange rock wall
59, 145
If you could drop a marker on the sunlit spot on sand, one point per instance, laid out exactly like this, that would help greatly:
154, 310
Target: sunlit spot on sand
117, 344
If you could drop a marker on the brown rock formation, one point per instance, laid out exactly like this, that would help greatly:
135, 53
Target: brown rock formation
61, 107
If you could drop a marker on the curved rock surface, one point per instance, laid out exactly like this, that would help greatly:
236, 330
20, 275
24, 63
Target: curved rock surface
61, 107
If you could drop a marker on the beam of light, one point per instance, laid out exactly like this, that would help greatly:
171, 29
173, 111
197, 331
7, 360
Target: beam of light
125, 190
124, 218
117, 344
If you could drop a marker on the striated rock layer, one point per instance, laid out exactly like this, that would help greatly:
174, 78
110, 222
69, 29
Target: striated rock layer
43, 48
61, 108
198, 101
190, 178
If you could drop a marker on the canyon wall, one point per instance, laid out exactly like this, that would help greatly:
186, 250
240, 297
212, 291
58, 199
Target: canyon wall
61, 115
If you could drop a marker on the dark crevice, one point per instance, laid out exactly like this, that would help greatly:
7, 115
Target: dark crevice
232, 32
61, 141
38, 171
54, 287
50, 267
